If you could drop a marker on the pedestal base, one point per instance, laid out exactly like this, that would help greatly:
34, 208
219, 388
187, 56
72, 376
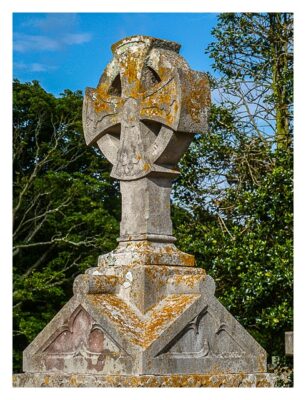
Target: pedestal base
138, 320
195, 380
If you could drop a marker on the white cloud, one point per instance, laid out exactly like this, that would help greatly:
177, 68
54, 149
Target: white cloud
42, 34
76, 38
24, 42
36, 67
52, 32
53, 22
33, 67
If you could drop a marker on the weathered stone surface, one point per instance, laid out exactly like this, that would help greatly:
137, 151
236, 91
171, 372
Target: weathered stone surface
145, 315
144, 320
144, 253
289, 343
192, 380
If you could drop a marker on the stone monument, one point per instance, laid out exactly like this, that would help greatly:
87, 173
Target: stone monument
145, 315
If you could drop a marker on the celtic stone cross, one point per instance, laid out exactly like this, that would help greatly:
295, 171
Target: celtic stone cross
144, 313
143, 115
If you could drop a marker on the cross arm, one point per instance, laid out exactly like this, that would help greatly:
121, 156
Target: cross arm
101, 112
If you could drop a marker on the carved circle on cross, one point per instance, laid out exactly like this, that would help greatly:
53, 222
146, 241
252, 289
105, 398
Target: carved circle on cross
139, 105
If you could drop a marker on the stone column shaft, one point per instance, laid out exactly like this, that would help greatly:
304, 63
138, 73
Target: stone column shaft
146, 210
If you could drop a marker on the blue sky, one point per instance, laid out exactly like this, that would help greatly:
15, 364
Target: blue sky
71, 50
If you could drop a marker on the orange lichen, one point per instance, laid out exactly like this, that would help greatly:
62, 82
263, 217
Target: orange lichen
161, 104
187, 259
141, 330
103, 102
197, 96
73, 381
186, 380
159, 317
146, 167
262, 382
262, 362
127, 322
188, 280
104, 284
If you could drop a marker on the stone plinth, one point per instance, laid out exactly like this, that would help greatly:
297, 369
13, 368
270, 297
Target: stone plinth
143, 320
146, 381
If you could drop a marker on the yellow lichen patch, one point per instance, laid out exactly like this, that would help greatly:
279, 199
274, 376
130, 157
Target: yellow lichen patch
103, 107
169, 249
185, 380
197, 98
161, 271
131, 64
130, 69
187, 259
188, 280
156, 258
163, 71
73, 381
262, 382
141, 330
161, 104
175, 108
190, 380
104, 283
146, 167
104, 102
262, 362
124, 318
160, 316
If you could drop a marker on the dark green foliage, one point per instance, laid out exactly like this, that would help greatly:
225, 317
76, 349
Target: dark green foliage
66, 208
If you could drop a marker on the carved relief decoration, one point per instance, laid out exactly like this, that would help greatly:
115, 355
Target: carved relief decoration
203, 336
81, 340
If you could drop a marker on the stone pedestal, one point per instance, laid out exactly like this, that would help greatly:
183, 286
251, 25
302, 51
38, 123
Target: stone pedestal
131, 317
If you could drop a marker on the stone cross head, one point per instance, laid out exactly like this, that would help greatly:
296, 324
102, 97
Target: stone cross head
146, 95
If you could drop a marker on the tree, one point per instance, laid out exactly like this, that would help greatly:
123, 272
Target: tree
254, 53
65, 211
236, 182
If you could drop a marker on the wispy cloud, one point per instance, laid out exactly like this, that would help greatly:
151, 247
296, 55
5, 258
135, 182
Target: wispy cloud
24, 42
77, 38
51, 32
33, 67
53, 22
